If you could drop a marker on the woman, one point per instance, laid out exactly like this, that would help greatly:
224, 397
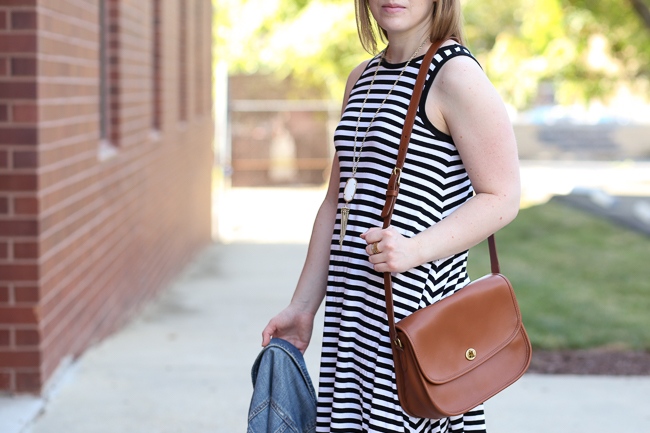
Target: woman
460, 183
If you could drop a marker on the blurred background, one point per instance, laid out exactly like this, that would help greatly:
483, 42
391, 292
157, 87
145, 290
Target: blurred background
575, 76
162, 162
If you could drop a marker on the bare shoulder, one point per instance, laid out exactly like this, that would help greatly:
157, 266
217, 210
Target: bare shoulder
458, 82
460, 92
460, 75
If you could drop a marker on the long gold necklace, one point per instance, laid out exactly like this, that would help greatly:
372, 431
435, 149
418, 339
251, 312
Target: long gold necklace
350, 188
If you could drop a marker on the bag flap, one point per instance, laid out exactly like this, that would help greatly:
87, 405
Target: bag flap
460, 332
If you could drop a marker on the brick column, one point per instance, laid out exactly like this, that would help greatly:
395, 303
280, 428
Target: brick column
20, 357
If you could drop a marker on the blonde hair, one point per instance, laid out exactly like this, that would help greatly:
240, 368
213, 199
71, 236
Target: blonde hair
446, 23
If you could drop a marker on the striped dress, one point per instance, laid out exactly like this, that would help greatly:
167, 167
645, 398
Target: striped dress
357, 389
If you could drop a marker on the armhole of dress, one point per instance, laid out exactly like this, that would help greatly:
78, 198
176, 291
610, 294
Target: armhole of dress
361, 75
438, 62
351, 89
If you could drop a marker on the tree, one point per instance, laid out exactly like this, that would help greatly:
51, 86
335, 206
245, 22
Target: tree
314, 41
643, 10
588, 49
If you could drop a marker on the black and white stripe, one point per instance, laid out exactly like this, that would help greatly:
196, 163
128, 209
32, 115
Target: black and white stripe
357, 391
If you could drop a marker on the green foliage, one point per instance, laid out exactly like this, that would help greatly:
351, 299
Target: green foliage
581, 281
316, 41
587, 48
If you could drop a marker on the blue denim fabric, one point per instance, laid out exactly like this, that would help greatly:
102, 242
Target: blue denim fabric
284, 399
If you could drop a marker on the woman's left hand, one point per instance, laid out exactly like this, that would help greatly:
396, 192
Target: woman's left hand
397, 253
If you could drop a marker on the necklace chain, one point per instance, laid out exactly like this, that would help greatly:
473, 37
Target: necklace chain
351, 184
355, 158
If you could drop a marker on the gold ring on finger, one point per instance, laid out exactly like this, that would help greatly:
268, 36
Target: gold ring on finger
375, 248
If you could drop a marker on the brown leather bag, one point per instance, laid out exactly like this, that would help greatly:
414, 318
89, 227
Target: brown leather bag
458, 352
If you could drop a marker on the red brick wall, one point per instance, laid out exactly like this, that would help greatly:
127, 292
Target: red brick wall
85, 241
20, 357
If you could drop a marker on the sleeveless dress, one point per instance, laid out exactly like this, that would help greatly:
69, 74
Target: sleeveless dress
357, 389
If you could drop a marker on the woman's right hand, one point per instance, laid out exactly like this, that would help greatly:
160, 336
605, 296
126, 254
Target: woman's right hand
292, 325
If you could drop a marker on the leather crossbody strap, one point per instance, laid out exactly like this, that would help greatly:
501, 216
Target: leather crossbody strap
394, 182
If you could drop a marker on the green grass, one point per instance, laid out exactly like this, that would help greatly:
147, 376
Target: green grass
581, 281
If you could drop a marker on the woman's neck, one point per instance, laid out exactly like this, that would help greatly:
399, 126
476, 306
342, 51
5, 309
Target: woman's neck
401, 46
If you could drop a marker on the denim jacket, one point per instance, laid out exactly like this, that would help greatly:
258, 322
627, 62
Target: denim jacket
284, 399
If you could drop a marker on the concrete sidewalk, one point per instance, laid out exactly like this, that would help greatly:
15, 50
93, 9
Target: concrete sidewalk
183, 365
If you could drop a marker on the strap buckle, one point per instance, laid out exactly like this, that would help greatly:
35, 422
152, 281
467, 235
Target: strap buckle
398, 172
398, 342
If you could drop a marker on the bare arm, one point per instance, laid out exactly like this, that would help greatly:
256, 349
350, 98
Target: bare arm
313, 278
295, 323
478, 122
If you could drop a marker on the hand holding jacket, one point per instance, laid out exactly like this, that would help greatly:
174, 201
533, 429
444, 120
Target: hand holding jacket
292, 325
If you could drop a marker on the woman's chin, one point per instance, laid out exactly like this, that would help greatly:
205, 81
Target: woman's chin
396, 29
397, 24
